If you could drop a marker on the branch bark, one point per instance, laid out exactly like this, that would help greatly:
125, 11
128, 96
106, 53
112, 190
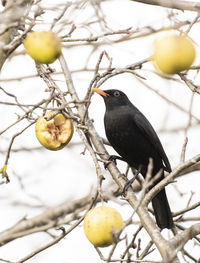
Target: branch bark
175, 173
10, 21
181, 239
177, 4
43, 221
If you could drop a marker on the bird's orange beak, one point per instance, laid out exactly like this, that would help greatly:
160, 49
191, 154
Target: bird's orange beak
100, 92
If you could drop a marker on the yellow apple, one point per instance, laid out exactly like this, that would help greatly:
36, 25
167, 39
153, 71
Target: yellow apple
100, 223
173, 53
43, 46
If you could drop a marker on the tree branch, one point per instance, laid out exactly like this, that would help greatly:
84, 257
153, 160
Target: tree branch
181, 239
13, 12
43, 221
177, 4
180, 169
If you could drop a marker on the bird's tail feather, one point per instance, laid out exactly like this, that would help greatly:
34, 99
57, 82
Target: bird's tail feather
162, 210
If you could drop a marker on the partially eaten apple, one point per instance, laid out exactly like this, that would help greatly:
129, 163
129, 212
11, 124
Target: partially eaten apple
54, 133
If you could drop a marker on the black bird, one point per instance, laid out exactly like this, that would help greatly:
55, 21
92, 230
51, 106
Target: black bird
134, 139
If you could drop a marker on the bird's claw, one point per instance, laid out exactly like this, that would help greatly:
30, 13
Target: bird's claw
127, 185
112, 158
129, 182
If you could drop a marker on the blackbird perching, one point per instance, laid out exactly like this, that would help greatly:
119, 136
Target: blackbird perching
134, 139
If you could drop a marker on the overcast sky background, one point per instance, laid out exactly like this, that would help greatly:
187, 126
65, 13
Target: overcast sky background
50, 178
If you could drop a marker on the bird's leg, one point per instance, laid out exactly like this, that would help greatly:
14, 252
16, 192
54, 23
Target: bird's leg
112, 158
129, 182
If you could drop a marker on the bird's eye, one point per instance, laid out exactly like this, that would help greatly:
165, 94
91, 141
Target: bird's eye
116, 93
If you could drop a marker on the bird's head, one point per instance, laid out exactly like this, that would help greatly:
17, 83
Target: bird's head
113, 98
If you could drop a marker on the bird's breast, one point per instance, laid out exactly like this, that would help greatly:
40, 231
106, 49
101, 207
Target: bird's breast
120, 132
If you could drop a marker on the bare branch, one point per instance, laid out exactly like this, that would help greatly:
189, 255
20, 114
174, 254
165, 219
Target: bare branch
177, 4
181, 239
47, 219
12, 13
170, 178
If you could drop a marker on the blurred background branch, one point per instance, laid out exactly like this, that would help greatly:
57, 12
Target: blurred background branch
177, 4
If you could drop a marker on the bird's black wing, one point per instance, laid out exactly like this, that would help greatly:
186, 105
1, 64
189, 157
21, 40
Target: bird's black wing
146, 128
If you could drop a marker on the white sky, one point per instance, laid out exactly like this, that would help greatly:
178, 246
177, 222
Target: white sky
53, 177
